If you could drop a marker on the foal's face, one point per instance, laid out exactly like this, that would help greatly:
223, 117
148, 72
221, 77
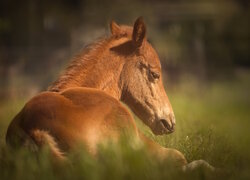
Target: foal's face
143, 90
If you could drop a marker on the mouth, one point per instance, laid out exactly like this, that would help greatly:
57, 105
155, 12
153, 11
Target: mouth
166, 125
163, 127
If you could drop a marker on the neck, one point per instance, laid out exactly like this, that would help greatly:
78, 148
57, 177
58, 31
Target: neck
96, 67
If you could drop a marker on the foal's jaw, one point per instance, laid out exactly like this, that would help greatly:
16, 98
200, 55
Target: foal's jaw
160, 119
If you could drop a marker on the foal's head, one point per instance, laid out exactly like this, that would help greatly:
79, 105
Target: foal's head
141, 78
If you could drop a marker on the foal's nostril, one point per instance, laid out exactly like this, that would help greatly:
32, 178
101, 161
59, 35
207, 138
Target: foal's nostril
166, 124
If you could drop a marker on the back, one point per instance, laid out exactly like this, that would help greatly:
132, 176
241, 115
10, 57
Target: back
77, 115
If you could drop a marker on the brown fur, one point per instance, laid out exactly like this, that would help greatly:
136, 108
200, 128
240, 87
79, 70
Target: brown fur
83, 105
43, 138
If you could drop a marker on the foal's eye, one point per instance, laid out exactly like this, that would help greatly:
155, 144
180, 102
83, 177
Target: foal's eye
155, 75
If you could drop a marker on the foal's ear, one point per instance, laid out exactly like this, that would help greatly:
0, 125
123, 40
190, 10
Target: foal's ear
139, 32
115, 28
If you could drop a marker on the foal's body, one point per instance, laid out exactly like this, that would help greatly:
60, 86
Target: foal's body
77, 121
83, 105
72, 117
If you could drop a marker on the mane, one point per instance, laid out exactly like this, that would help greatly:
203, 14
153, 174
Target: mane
85, 61
75, 71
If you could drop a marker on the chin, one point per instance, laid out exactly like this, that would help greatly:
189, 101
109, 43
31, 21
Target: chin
161, 131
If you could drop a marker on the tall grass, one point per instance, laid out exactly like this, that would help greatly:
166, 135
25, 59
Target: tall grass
212, 124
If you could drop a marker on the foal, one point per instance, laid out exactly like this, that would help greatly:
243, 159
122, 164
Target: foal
83, 105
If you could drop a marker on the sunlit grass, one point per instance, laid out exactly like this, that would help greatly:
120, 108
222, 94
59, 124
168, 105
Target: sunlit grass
212, 124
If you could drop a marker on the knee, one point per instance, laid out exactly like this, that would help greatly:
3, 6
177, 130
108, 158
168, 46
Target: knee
174, 156
178, 157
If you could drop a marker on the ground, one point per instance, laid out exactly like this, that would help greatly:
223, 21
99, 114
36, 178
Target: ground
212, 124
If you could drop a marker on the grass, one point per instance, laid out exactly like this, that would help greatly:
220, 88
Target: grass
212, 124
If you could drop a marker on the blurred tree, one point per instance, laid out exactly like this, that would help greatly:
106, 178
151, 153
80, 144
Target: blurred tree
202, 37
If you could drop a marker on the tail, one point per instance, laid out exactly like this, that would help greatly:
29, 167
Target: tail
43, 138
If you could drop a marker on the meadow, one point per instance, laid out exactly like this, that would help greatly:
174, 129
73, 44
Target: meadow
212, 124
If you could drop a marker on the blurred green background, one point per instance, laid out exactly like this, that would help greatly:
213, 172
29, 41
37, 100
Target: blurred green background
204, 48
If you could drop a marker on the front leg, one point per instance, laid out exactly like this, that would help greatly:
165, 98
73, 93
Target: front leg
198, 164
174, 156
162, 153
